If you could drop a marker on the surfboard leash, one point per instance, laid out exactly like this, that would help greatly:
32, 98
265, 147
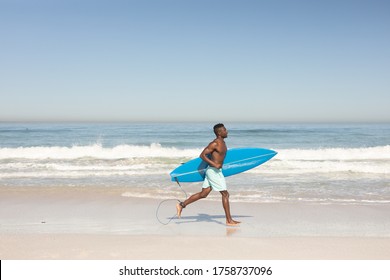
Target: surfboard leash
185, 193
170, 199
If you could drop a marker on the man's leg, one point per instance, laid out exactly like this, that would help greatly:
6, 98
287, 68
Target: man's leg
226, 207
202, 194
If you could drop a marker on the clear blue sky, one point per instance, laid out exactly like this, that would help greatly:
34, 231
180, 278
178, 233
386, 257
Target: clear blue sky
195, 60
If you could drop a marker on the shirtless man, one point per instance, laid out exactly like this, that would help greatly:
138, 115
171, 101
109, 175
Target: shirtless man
214, 154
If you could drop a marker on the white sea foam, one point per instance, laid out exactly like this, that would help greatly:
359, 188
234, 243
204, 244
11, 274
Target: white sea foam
96, 151
374, 160
156, 150
122, 156
129, 160
369, 153
291, 176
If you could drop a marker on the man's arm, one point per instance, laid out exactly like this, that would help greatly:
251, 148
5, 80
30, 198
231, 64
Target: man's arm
208, 150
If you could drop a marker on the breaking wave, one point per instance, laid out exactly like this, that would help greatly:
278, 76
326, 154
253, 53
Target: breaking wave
130, 160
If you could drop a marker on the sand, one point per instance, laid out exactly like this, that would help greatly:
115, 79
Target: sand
99, 223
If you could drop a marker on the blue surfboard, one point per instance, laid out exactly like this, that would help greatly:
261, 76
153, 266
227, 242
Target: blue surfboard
237, 160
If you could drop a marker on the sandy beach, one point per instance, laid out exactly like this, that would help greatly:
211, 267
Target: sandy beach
100, 223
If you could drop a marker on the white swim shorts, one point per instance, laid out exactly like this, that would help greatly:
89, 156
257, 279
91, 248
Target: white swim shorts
215, 179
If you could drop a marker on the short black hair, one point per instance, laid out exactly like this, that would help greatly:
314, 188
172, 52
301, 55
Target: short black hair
217, 127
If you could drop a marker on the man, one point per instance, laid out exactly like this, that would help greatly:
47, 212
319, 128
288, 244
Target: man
214, 154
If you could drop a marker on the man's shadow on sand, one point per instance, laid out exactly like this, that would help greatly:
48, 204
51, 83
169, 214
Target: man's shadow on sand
201, 218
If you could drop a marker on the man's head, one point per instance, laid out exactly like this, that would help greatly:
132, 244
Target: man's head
220, 130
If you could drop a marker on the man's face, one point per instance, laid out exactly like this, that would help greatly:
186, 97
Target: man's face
223, 132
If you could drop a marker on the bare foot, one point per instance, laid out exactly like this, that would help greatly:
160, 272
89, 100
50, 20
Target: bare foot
233, 223
179, 209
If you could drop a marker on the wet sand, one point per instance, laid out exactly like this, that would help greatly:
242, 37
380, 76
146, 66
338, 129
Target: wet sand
99, 223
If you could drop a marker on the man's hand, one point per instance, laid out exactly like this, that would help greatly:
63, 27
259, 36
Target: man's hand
217, 165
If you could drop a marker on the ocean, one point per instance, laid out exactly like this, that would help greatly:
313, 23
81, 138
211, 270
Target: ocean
316, 163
